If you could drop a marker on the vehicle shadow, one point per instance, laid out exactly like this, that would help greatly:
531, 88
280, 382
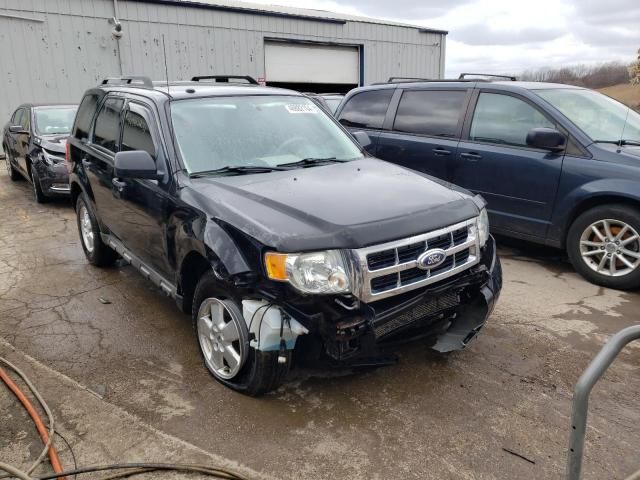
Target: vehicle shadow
552, 258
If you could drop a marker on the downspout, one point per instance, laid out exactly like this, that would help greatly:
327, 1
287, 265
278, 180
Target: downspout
117, 33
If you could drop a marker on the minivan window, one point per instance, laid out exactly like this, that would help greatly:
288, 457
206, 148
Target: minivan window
256, 131
366, 109
505, 120
136, 134
84, 117
107, 127
430, 112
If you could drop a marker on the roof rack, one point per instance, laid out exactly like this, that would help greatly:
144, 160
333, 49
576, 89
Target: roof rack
463, 76
226, 78
130, 80
407, 79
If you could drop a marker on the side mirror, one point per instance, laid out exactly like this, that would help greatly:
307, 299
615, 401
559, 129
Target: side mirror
16, 129
546, 139
362, 138
135, 164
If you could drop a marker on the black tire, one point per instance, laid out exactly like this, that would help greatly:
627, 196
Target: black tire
13, 174
623, 213
101, 255
38, 194
261, 372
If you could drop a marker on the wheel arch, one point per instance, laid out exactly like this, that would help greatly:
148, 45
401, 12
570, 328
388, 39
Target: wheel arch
193, 266
595, 201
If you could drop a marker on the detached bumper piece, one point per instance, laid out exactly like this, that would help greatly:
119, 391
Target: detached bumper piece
448, 314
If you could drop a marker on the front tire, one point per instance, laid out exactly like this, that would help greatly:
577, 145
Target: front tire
223, 338
97, 252
603, 245
38, 194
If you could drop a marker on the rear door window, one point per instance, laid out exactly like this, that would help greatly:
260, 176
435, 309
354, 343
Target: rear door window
366, 109
107, 129
136, 134
84, 117
505, 120
430, 112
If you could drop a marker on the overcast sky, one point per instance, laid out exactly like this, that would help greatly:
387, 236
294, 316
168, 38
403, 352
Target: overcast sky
508, 36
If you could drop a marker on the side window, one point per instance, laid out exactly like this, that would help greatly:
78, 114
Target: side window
366, 109
430, 112
136, 134
84, 117
107, 129
17, 117
25, 119
506, 120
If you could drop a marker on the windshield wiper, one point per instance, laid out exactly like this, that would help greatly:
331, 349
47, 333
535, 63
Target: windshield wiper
620, 142
240, 170
309, 162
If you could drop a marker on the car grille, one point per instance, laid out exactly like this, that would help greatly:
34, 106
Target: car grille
392, 268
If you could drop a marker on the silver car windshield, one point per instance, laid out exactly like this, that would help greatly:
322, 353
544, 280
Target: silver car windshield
256, 131
54, 120
602, 118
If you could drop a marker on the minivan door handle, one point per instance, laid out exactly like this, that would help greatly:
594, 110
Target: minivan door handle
441, 152
471, 156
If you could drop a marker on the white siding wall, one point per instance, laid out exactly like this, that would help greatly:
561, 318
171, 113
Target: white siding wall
62, 47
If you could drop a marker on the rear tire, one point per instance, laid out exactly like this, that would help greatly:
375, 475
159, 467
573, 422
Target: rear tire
13, 174
97, 252
603, 245
260, 371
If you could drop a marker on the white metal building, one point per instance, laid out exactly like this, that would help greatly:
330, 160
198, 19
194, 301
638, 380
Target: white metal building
52, 50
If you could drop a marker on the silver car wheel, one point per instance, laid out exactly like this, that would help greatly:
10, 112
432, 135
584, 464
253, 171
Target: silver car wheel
86, 230
611, 248
219, 337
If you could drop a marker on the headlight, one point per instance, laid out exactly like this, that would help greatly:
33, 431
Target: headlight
50, 159
483, 227
317, 272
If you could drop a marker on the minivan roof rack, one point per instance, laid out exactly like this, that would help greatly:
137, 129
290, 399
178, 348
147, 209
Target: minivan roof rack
134, 80
225, 78
407, 79
463, 76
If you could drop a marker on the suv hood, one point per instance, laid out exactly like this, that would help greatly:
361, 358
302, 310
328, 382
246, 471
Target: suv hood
54, 143
341, 205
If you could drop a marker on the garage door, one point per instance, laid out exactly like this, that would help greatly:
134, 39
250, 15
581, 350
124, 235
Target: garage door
311, 64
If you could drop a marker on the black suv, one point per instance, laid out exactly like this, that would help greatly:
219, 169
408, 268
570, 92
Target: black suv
557, 164
273, 229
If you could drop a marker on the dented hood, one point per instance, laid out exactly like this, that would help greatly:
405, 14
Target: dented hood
340, 205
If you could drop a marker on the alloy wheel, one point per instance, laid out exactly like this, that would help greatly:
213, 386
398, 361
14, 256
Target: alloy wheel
86, 229
220, 339
610, 247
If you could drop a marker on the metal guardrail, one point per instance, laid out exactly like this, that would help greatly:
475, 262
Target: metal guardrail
585, 384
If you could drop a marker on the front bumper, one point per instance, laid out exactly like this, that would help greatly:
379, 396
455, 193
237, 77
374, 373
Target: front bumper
448, 314
54, 179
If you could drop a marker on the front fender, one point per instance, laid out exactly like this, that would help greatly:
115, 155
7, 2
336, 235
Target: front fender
608, 189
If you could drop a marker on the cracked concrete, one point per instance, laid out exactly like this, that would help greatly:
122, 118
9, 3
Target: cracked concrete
130, 384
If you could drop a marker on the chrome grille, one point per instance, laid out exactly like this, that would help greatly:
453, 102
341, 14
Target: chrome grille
392, 268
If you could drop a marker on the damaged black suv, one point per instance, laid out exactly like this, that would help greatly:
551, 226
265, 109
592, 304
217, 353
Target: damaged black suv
272, 227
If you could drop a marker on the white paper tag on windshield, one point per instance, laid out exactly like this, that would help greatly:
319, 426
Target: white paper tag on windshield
301, 108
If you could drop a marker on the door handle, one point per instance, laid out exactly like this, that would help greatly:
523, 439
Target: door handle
118, 184
441, 152
471, 156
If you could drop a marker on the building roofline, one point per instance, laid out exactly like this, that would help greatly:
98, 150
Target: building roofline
288, 12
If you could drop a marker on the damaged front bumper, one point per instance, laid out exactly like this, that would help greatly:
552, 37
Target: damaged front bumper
448, 314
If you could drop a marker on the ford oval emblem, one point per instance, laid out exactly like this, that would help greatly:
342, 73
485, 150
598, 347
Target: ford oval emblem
431, 258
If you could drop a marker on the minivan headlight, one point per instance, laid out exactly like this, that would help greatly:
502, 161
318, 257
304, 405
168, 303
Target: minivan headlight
316, 272
483, 227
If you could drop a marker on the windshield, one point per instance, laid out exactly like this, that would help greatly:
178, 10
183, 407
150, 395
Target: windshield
260, 131
600, 117
54, 120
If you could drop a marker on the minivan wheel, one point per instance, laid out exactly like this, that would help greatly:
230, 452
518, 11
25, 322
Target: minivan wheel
97, 252
223, 338
603, 245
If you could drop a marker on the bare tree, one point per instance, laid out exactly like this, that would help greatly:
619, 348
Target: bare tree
590, 76
634, 71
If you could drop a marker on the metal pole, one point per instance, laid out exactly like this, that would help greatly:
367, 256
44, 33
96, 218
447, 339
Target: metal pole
585, 384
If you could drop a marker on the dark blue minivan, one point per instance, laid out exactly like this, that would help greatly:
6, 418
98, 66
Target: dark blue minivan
558, 164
